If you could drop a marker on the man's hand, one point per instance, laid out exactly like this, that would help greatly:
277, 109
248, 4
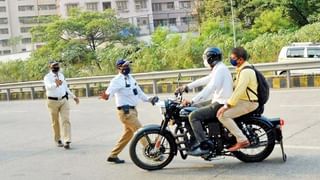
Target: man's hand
76, 99
58, 82
221, 111
104, 96
182, 89
185, 102
153, 100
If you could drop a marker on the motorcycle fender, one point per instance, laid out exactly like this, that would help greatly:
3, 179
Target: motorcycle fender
276, 129
150, 127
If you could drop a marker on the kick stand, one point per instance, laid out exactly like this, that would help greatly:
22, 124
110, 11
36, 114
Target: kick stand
284, 156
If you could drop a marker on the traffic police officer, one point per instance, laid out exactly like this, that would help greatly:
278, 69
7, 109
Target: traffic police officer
127, 94
58, 93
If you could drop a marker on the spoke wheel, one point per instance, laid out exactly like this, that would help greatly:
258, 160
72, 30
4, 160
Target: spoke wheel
152, 151
262, 141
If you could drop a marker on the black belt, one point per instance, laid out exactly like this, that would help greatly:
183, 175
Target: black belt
56, 99
121, 107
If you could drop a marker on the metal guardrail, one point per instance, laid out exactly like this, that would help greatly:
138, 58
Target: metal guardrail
156, 76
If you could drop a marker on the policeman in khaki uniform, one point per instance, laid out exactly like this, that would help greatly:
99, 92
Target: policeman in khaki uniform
127, 94
58, 94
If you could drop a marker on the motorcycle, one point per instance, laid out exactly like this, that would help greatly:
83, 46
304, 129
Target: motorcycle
174, 135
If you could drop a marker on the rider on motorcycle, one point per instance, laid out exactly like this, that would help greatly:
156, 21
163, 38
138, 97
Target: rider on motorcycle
218, 86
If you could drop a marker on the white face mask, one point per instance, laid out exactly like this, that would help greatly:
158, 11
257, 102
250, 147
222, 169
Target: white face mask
205, 62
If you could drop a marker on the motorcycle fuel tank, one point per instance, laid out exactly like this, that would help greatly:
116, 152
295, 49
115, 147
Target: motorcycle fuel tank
186, 111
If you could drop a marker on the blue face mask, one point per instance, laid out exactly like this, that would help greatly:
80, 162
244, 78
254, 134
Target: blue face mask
126, 71
233, 62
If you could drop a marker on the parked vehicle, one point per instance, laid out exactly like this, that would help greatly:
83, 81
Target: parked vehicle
165, 143
299, 52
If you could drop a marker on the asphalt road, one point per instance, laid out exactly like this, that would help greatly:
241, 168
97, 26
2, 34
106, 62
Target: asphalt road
27, 150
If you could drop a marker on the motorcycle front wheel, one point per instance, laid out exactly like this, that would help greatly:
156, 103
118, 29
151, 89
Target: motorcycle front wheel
262, 141
151, 150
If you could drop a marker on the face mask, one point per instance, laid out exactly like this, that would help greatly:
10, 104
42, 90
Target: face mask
206, 64
55, 69
126, 71
233, 62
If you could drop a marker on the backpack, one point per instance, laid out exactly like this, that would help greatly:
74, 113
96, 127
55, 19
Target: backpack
262, 90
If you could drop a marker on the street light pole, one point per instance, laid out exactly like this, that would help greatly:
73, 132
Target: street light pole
233, 25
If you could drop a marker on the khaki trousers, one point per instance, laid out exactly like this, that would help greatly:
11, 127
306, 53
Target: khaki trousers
62, 108
242, 108
131, 124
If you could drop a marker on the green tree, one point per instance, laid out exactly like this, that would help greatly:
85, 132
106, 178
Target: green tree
77, 38
271, 21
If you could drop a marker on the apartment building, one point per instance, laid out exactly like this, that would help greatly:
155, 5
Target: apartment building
137, 12
17, 17
177, 15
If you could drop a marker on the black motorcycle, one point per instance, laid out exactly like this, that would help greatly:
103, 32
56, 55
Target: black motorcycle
154, 146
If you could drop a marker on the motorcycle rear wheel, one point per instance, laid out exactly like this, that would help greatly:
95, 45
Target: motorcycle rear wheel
264, 139
152, 159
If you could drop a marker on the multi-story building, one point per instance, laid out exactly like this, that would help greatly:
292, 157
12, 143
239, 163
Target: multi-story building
16, 19
178, 15
137, 12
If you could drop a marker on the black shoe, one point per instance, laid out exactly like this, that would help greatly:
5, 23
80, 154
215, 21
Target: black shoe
115, 160
59, 143
67, 145
198, 152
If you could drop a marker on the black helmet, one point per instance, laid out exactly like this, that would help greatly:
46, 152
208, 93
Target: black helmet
212, 55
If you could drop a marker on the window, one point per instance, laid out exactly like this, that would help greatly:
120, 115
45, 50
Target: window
6, 51
122, 5
26, 41
5, 42
28, 20
3, 20
25, 29
313, 52
4, 31
170, 5
70, 6
2, 9
185, 4
295, 52
47, 7
172, 22
186, 20
160, 22
124, 20
106, 5
156, 7
142, 21
141, 4
26, 8
92, 6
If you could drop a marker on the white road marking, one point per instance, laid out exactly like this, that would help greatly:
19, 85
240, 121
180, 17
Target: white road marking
302, 147
5, 112
301, 105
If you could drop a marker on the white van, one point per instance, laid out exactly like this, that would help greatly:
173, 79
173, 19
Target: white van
298, 52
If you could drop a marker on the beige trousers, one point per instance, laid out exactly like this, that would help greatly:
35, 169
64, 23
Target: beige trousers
242, 108
61, 109
131, 124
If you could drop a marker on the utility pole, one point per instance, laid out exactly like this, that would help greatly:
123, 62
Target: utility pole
233, 25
